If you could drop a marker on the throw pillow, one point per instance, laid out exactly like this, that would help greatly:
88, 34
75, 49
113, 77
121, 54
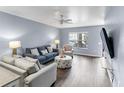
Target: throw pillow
44, 51
35, 52
36, 61
50, 49
8, 59
25, 65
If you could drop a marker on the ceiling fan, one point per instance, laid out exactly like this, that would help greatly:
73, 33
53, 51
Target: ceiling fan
63, 19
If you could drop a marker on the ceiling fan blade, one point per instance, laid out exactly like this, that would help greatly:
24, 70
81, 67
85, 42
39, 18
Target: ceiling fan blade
68, 20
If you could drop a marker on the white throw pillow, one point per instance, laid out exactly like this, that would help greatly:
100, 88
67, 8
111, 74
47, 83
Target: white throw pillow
36, 61
25, 65
44, 51
50, 49
35, 52
8, 59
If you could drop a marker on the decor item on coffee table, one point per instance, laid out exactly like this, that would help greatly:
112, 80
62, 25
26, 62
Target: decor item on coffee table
14, 45
64, 62
61, 53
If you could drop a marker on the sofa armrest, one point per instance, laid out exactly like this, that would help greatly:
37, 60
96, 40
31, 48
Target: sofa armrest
13, 68
31, 55
45, 77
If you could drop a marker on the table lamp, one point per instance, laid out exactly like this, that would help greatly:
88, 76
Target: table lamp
14, 45
57, 43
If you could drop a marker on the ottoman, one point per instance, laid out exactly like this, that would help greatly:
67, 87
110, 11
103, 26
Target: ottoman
64, 62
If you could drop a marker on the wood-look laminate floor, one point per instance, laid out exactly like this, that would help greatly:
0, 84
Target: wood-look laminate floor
85, 72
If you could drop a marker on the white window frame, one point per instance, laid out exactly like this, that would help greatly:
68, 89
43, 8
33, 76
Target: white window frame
76, 39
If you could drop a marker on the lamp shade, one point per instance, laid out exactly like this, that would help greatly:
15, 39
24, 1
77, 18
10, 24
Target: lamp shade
57, 41
14, 44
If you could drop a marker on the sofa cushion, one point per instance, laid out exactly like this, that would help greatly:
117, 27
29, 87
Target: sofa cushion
49, 49
49, 55
55, 53
44, 52
35, 51
31, 55
28, 50
8, 59
41, 58
36, 61
26, 65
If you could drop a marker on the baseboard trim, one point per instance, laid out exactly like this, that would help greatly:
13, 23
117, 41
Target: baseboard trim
87, 55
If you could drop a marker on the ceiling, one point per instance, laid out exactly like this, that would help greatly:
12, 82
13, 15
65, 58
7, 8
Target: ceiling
80, 15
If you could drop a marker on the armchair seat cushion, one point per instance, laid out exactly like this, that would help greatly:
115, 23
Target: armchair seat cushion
67, 51
70, 53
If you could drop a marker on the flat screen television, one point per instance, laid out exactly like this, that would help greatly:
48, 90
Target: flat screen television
107, 42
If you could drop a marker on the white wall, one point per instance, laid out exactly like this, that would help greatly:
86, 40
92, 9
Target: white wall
114, 21
94, 39
33, 34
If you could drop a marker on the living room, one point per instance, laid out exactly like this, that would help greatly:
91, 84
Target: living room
59, 46
25, 30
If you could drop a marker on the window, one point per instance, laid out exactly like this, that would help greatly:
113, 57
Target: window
78, 39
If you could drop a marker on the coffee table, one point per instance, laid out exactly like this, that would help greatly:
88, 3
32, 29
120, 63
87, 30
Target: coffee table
65, 62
